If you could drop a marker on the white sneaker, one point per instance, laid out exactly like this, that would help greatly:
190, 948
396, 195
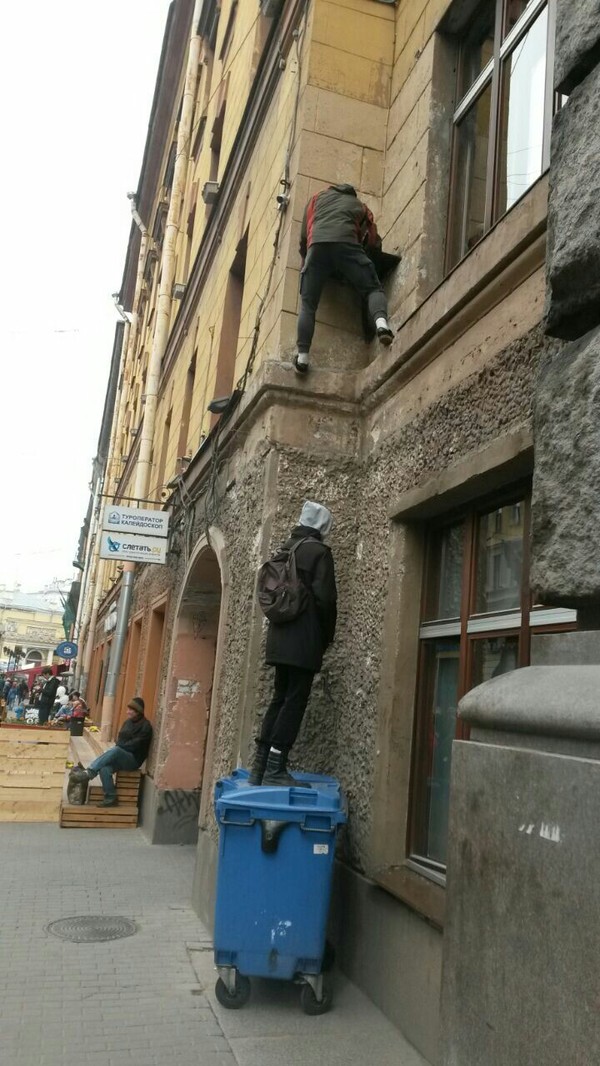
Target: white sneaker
301, 368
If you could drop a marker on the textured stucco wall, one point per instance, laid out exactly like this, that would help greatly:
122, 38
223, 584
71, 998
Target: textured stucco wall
339, 731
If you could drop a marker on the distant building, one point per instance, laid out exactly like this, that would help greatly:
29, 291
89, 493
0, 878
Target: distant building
31, 622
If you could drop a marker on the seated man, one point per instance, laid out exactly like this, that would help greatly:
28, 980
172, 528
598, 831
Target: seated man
133, 744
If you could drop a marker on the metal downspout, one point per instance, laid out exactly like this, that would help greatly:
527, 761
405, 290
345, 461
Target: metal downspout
116, 649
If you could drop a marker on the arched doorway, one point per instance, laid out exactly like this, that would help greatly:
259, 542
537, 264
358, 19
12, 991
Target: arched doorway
189, 690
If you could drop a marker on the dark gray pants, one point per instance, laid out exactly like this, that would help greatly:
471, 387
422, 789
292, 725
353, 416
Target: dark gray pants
348, 261
44, 711
285, 712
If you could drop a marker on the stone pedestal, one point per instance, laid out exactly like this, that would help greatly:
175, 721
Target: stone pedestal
522, 937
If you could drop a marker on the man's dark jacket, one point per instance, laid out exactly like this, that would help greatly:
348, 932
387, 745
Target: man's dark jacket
336, 215
135, 736
49, 691
303, 641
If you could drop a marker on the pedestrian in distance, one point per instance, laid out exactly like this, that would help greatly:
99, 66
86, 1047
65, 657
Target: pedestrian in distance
13, 695
61, 701
295, 647
337, 228
48, 695
130, 751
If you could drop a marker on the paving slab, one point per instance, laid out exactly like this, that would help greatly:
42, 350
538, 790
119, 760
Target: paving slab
147, 999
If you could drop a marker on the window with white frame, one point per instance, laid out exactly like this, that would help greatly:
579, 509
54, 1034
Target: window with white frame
502, 120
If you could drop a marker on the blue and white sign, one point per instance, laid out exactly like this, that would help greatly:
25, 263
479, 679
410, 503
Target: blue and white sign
66, 650
133, 548
125, 520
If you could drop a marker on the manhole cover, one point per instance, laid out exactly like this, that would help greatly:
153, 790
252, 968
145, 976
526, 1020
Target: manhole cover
92, 929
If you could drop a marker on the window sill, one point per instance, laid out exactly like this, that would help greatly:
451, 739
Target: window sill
509, 253
415, 889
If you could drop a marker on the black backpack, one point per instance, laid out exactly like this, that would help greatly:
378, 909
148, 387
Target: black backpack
281, 593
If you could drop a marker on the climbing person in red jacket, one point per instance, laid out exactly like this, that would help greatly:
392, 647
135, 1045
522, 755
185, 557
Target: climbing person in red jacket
336, 229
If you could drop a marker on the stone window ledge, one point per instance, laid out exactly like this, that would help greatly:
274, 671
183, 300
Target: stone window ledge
416, 890
512, 250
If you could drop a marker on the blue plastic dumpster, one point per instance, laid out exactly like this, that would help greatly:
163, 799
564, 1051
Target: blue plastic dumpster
276, 852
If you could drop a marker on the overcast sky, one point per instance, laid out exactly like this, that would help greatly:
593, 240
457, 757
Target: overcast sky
76, 85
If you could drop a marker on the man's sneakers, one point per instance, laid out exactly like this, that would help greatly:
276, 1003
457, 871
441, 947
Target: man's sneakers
300, 363
385, 336
384, 333
109, 801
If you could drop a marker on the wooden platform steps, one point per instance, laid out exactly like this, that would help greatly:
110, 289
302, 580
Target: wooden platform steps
32, 771
91, 816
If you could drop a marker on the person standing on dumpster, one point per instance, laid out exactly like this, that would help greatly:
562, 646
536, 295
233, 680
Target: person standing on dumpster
296, 648
336, 229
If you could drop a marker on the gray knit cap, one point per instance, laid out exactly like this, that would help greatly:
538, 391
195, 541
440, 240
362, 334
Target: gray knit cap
316, 516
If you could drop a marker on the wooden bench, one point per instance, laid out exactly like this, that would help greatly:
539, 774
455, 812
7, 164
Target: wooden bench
89, 815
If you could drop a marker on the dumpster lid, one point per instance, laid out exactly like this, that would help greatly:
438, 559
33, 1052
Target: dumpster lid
314, 794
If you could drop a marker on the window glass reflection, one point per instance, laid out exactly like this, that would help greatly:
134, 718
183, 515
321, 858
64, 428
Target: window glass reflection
451, 563
522, 115
514, 10
442, 661
472, 135
499, 560
477, 47
494, 656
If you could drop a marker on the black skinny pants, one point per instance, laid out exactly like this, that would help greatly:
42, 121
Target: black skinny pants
44, 712
352, 263
286, 710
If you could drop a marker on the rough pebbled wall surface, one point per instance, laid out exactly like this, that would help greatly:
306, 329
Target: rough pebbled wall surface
573, 251
485, 406
567, 472
566, 496
577, 48
340, 728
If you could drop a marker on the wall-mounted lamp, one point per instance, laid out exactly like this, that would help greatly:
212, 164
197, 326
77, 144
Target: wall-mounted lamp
218, 406
210, 192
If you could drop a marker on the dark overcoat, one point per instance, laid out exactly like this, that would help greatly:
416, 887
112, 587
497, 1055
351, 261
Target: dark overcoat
303, 641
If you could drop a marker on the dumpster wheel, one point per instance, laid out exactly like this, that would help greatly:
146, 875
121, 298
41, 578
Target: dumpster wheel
233, 1000
309, 1002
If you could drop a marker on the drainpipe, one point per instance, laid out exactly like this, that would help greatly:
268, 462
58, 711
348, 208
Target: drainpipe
132, 319
81, 619
96, 575
159, 344
94, 571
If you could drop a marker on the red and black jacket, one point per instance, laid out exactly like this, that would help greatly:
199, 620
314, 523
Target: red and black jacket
336, 215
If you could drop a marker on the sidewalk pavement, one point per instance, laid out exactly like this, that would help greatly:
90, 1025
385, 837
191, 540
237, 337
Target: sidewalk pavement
146, 1000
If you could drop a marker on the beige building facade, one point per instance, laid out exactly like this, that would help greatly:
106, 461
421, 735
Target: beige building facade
439, 113
29, 624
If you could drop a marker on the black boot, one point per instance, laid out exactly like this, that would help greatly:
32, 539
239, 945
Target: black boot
275, 772
259, 763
